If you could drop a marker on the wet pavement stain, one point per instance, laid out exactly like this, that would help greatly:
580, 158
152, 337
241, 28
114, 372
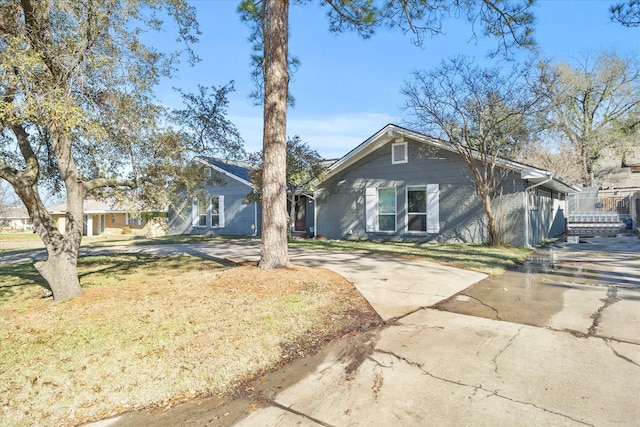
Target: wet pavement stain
537, 290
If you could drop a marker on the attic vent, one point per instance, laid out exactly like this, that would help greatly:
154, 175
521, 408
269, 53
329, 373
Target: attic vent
399, 153
207, 172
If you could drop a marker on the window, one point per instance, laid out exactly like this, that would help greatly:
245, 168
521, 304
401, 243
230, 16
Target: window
423, 208
380, 209
209, 214
399, 153
215, 211
386, 209
417, 209
131, 220
199, 213
207, 172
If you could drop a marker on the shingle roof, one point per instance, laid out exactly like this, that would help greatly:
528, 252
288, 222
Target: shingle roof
236, 168
14, 213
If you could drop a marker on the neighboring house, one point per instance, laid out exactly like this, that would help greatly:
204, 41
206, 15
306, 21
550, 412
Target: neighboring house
105, 218
15, 219
223, 207
406, 186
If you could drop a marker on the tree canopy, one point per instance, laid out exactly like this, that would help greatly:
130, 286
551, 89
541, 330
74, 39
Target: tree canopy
483, 113
77, 111
594, 104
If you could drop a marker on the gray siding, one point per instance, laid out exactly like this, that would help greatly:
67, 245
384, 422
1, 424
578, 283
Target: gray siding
546, 215
239, 214
341, 200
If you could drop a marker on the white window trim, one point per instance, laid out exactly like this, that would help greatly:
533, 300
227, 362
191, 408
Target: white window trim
195, 214
404, 159
131, 220
426, 214
395, 213
220, 213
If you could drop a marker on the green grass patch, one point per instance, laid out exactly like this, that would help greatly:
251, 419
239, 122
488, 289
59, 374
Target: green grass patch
493, 260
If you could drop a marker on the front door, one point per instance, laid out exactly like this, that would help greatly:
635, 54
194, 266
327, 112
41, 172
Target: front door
300, 223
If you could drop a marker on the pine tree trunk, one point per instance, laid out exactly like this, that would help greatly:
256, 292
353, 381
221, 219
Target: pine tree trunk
274, 250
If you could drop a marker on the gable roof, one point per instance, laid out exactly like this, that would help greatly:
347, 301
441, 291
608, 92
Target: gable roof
90, 206
14, 213
392, 132
238, 170
94, 207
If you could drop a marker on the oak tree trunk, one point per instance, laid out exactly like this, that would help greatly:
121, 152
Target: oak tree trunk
274, 250
59, 270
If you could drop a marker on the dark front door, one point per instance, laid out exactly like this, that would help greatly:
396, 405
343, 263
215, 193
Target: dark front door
301, 214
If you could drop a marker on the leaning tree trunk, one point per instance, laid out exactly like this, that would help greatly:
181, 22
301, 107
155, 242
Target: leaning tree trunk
274, 250
60, 272
59, 269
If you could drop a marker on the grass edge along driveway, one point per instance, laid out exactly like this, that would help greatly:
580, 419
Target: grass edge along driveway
153, 331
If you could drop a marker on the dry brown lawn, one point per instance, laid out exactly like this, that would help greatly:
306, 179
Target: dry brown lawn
152, 332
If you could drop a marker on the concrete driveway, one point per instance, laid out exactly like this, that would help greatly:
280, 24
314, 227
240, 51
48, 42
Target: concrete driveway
454, 354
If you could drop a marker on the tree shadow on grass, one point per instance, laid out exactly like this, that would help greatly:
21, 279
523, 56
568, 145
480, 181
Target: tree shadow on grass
16, 278
20, 277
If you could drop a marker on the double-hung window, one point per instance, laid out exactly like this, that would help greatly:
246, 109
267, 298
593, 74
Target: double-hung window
417, 209
386, 209
215, 211
380, 209
423, 208
199, 218
208, 212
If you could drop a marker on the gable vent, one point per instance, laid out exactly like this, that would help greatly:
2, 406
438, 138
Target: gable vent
399, 153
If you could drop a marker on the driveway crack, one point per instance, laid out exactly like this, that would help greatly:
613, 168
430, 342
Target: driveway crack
484, 304
477, 388
621, 356
612, 298
300, 414
494, 361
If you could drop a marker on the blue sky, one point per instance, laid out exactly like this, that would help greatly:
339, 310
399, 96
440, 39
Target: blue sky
347, 88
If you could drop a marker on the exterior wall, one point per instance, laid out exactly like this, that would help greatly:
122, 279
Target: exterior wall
113, 223
21, 224
341, 200
546, 215
239, 213
116, 222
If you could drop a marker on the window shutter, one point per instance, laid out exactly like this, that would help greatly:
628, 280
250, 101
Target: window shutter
194, 214
433, 208
221, 211
371, 208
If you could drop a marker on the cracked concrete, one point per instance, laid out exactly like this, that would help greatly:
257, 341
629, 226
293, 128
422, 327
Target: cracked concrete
447, 377
566, 352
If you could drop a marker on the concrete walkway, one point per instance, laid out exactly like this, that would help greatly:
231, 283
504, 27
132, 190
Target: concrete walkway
434, 367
